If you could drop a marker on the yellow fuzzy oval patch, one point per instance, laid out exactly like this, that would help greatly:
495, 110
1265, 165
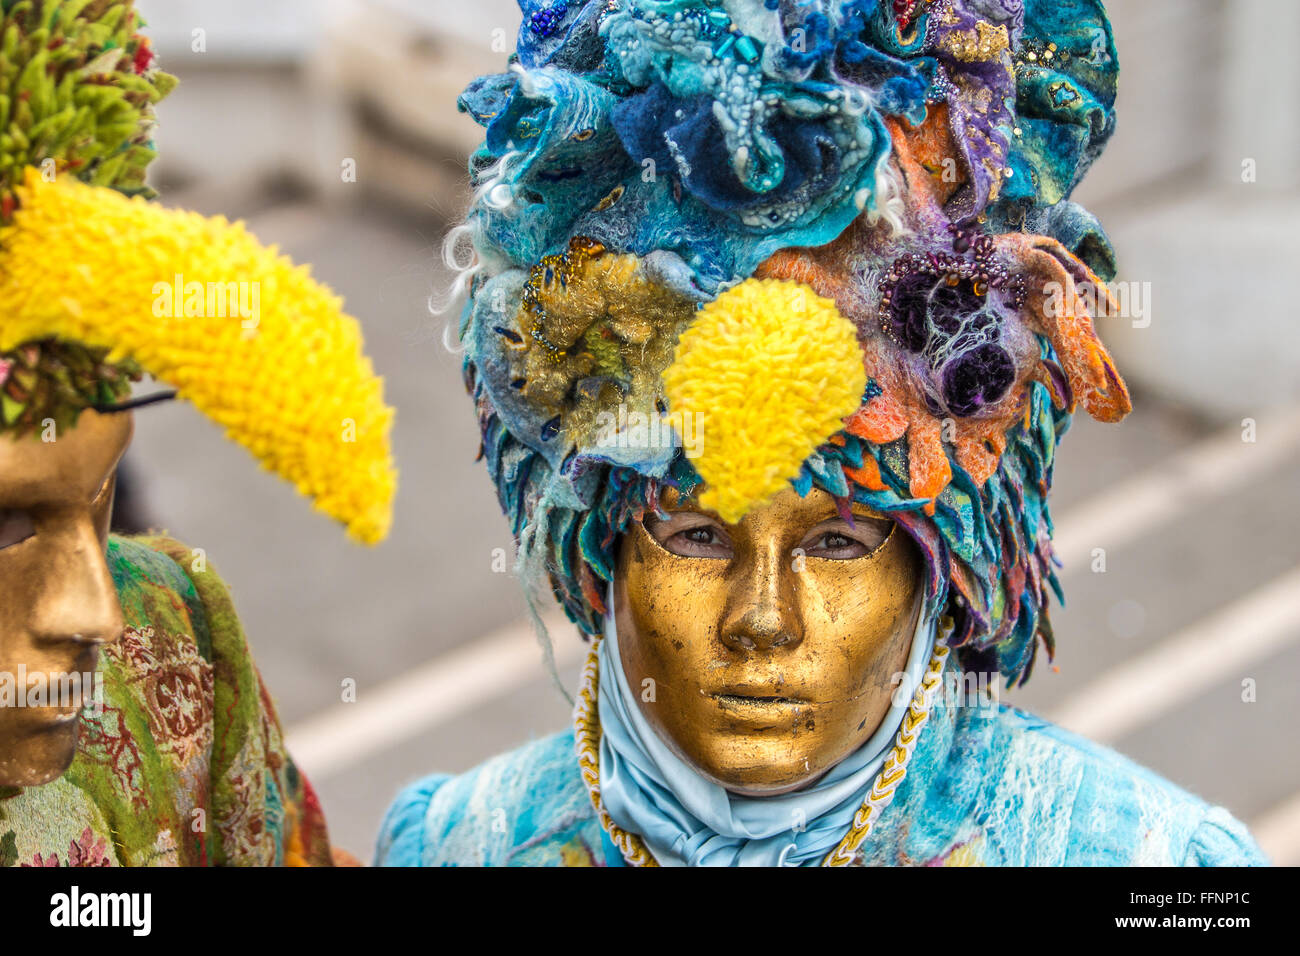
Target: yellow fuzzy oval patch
772, 369
248, 337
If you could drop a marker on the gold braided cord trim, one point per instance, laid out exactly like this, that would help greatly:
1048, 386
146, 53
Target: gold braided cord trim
881, 794
892, 773
587, 735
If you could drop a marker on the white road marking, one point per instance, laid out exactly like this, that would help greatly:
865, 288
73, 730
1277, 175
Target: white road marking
1278, 832
1218, 647
447, 686
1122, 513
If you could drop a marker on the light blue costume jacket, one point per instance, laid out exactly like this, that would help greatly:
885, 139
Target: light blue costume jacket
984, 788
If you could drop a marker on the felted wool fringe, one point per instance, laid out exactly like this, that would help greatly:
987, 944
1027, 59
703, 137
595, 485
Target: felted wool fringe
530, 565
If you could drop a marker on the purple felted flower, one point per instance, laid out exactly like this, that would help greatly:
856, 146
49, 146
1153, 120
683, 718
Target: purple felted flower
909, 311
977, 378
924, 307
950, 305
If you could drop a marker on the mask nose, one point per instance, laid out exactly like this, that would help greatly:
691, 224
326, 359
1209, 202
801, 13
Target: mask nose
762, 613
79, 600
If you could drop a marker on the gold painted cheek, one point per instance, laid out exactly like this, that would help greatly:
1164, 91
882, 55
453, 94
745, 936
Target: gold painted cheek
857, 602
864, 612
668, 609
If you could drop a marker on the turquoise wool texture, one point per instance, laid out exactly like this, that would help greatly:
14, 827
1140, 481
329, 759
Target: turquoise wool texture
985, 787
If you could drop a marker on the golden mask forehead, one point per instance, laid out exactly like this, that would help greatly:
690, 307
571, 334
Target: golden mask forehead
70, 468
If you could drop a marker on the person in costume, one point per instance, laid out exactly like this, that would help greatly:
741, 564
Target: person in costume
134, 727
827, 248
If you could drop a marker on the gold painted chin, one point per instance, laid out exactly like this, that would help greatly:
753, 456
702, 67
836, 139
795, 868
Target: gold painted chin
39, 751
38, 744
759, 763
751, 747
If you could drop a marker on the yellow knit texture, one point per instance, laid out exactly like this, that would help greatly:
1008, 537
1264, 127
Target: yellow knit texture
291, 383
773, 369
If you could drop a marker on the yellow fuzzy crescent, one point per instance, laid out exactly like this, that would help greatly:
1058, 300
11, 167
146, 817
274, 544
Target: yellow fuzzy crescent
290, 382
772, 369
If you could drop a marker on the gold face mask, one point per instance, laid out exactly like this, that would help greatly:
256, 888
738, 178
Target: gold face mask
58, 603
765, 652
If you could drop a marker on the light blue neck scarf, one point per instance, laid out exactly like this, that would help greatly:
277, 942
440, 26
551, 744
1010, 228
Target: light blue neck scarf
686, 820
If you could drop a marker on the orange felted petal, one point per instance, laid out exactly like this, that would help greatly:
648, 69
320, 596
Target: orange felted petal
796, 265
979, 447
1112, 404
928, 469
829, 270
977, 460
879, 421
924, 193
929, 147
868, 476
1060, 313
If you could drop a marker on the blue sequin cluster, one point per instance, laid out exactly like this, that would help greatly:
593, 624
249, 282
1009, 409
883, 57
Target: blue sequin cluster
546, 21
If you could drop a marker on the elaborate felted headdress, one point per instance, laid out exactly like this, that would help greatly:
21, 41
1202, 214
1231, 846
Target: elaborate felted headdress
829, 241
99, 286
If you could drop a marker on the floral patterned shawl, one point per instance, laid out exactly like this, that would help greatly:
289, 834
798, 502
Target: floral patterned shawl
186, 764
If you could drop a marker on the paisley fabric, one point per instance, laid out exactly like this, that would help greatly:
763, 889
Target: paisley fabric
185, 765
986, 787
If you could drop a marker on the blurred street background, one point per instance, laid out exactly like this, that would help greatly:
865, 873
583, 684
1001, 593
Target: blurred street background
1180, 528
